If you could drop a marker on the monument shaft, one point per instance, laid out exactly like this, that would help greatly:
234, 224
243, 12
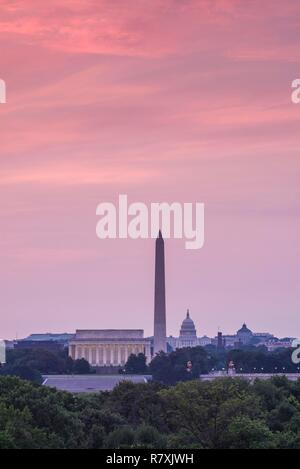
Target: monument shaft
160, 332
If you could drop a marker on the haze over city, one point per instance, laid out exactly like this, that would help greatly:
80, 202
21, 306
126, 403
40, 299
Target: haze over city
186, 101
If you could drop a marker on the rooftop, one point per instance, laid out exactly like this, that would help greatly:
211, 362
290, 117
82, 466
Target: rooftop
96, 334
90, 383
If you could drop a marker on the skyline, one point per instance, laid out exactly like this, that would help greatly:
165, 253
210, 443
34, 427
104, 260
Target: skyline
187, 101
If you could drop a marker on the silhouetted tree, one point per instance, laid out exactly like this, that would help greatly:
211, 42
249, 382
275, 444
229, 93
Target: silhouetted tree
81, 367
136, 364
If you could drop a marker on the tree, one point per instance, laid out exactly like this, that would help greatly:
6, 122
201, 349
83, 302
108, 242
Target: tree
202, 411
120, 439
38, 359
172, 368
81, 367
147, 436
224, 413
30, 364
136, 364
22, 371
139, 403
246, 433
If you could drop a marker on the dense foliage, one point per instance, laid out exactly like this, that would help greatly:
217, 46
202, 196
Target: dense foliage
32, 363
168, 369
225, 413
136, 364
172, 368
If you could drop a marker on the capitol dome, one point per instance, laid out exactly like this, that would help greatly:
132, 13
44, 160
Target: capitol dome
188, 327
244, 330
244, 335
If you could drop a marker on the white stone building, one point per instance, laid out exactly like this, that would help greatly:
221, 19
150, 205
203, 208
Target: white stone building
187, 336
109, 347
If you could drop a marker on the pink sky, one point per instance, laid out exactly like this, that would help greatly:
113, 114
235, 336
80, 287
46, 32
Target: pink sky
164, 100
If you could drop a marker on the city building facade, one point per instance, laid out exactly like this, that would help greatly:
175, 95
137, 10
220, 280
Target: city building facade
188, 336
103, 348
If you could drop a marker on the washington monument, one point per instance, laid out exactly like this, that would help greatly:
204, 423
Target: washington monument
160, 332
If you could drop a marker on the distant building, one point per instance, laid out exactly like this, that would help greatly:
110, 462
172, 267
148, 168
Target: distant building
261, 338
48, 341
220, 341
204, 341
109, 348
9, 344
244, 335
188, 333
231, 341
263, 335
49, 337
49, 345
278, 344
188, 336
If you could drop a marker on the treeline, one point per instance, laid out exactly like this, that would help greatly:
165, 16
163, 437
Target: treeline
165, 368
225, 413
31, 364
172, 368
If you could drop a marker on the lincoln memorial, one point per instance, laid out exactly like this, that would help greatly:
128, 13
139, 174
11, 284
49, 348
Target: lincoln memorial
109, 347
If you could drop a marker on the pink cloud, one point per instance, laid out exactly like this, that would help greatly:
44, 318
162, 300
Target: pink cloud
164, 100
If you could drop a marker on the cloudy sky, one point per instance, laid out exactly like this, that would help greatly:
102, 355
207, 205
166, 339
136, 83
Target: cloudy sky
163, 100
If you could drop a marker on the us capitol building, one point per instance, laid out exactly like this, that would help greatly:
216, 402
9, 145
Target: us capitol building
187, 336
